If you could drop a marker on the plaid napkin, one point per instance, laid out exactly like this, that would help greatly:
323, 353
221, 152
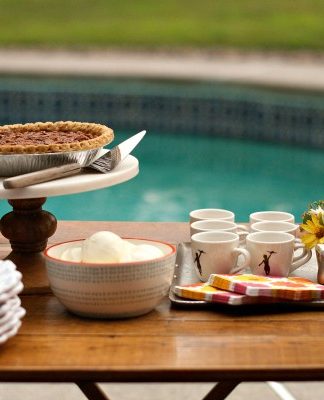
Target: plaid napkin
205, 292
293, 288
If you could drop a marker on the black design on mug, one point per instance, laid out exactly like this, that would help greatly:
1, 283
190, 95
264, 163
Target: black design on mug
266, 263
197, 259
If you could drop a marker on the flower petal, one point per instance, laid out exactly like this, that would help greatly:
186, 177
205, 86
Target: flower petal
308, 238
309, 227
316, 221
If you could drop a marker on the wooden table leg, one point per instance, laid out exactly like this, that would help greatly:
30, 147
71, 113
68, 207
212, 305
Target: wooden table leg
92, 391
221, 390
28, 227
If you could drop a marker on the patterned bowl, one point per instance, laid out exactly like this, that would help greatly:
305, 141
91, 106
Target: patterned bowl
110, 290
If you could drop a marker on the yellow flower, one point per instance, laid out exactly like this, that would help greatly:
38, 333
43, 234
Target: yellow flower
315, 231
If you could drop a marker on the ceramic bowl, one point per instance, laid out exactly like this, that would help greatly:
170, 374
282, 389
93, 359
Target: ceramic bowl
110, 290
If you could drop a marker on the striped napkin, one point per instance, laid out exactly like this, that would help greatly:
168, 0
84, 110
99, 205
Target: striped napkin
205, 292
293, 288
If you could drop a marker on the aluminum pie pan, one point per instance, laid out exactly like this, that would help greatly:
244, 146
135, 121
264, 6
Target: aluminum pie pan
17, 164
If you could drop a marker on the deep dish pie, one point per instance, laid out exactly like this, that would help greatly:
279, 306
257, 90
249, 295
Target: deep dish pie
53, 137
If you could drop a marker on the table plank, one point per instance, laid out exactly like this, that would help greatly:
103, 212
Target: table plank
163, 345
173, 232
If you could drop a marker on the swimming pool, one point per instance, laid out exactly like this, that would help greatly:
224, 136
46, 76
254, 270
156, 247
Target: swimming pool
179, 173
180, 107
215, 145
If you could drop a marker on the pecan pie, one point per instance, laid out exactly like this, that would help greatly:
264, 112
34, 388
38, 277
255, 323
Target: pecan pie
53, 137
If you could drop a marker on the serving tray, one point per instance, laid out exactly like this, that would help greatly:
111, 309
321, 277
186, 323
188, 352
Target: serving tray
185, 274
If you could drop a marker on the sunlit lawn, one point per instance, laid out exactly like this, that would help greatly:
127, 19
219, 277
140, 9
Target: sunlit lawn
266, 24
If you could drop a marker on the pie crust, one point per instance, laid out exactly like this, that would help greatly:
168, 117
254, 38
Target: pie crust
53, 137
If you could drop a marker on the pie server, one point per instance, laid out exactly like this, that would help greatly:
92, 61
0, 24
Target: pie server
103, 164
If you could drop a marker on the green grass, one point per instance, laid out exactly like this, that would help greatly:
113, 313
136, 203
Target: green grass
245, 24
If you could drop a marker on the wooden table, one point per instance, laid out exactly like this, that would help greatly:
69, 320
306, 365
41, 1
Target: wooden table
167, 345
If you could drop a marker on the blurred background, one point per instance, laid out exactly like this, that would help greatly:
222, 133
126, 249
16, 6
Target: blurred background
247, 24
231, 91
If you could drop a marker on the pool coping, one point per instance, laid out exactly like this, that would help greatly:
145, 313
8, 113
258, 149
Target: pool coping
301, 70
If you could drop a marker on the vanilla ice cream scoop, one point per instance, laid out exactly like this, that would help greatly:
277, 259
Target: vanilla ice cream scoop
103, 246
72, 254
143, 252
107, 247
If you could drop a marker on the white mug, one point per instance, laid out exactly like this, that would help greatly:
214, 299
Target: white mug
218, 225
216, 252
275, 226
272, 253
271, 216
211, 213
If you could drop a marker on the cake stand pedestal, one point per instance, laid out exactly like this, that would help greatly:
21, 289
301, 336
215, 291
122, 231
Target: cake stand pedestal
28, 226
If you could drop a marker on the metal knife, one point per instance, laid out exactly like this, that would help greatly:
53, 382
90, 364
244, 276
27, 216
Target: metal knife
104, 164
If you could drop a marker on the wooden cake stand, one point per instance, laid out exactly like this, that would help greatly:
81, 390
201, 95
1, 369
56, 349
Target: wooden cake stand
28, 226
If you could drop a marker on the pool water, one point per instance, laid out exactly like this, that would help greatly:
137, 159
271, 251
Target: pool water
179, 173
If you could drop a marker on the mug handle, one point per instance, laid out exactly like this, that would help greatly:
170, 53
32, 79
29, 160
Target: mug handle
242, 227
242, 236
302, 259
246, 263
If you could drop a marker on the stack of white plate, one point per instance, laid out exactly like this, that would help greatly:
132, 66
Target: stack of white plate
11, 311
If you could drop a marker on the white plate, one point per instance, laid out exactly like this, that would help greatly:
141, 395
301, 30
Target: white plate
9, 281
17, 312
12, 332
82, 182
6, 266
9, 325
13, 302
11, 293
